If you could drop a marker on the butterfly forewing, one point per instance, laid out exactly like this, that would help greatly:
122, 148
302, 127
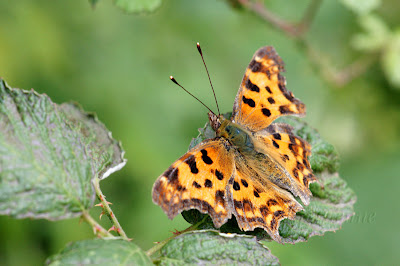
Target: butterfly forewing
198, 180
262, 96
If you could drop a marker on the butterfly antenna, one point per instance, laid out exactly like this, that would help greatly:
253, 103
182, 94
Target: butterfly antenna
176, 82
208, 74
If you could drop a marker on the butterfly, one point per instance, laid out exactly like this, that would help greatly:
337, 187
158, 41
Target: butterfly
253, 169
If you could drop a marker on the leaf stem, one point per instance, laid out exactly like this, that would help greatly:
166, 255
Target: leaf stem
107, 209
97, 228
159, 245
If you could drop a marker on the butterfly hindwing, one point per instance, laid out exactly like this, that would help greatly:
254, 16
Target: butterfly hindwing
262, 96
198, 180
291, 153
259, 203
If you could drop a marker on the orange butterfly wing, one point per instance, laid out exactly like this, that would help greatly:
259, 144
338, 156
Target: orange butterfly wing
291, 153
258, 202
198, 180
262, 96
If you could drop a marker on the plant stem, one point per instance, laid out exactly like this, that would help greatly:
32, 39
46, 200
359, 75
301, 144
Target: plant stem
107, 209
259, 9
97, 228
159, 245
320, 62
309, 16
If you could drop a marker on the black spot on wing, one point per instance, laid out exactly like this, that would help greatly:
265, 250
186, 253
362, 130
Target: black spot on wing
284, 109
236, 186
205, 158
191, 161
276, 145
219, 175
277, 136
268, 89
208, 183
255, 66
256, 194
180, 188
244, 182
238, 204
266, 112
250, 86
285, 157
172, 174
271, 100
196, 185
272, 202
248, 101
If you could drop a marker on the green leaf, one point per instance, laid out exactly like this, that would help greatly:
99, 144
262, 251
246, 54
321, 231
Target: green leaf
391, 60
375, 35
209, 247
100, 252
49, 154
361, 7
331, 204
137, 6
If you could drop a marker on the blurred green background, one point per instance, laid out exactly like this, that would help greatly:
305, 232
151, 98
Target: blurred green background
118, 64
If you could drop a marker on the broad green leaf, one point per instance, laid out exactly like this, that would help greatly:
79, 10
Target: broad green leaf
209, 247
391, 60
137, 6
375, 36
100, 252
361, 7
49, 154
331, 204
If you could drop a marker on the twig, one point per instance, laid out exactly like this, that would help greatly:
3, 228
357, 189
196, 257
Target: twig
97, 228
106, 207
259, 9
309, 16
297, 31
353, 70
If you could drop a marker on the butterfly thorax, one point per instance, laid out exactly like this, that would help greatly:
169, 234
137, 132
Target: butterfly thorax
235, 134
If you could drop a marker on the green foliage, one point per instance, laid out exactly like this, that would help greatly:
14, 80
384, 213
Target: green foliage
100, 252
209, 247
391, 60
361, 6
49, 155
375, 35
134, 6
377, 38
332, 202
